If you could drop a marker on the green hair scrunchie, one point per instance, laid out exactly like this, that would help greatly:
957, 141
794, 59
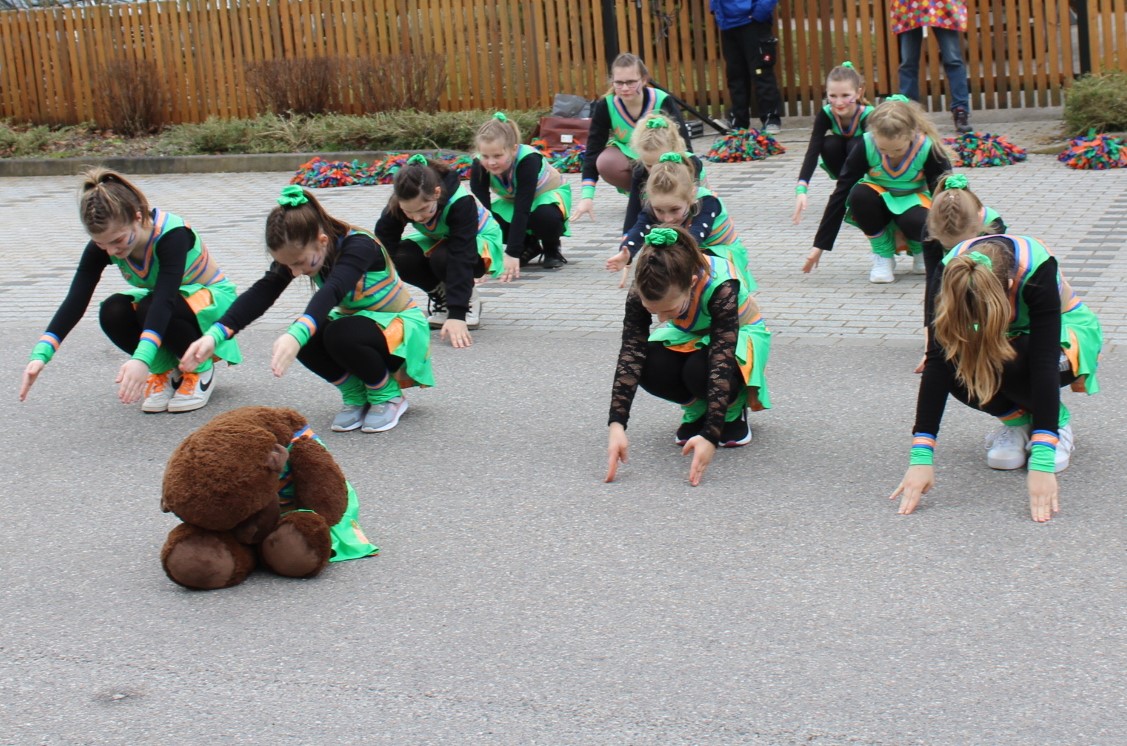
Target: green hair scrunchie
956, 181
657, 123
847, 64
671, 158
979, 258
899, 97
661, 237
418, 159
500, 116
292, 196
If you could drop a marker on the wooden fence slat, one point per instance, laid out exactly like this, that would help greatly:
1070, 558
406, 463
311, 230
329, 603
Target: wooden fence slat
509, 54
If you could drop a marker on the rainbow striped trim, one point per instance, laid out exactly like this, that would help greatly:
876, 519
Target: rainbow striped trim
151, 337
50, 339
902, 167
1044, 438
1012, 416
923, 450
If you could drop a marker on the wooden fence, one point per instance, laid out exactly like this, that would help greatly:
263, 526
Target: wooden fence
517, 53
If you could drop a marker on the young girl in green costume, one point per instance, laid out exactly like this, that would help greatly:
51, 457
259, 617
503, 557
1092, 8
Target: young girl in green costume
655, 136
674, 197
361, 331
885, 187
956, 215
454, 243
838, 129
708, 352
1008, 333
526, 195
613, 120
177, 291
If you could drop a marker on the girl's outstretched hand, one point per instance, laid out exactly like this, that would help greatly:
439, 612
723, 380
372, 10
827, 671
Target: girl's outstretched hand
511, 269
131, 380
812, 260
617, 445
586, 207
457, 332
1044, 499
800, 203
200, 350
30, 373
617, 262
703, 451
286, 348
916, 483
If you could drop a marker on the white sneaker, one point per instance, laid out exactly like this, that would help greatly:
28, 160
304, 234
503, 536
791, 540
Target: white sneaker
473, 315
1006, 447
193, 392
918, 266
1065, 443
158, 392
881, 273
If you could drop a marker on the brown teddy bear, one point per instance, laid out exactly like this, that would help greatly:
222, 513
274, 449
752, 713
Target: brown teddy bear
256, 481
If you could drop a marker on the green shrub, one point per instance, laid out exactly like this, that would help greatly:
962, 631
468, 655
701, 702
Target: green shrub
23, 141
1096, 102
397, 130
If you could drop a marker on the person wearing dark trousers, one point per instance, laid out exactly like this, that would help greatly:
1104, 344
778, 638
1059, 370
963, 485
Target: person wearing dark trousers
947, 19
749, 44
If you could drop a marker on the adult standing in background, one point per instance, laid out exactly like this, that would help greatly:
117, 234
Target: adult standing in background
948, 20
747, 38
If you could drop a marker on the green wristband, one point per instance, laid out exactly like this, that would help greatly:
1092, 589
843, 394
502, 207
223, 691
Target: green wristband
45, 348
801, 189
1042, 458
302, 329
588, 191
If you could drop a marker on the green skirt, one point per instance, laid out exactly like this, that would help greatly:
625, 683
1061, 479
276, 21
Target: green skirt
561, 196
408, 336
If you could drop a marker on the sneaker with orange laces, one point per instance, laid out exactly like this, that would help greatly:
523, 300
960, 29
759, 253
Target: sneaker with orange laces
158, 392
193, 392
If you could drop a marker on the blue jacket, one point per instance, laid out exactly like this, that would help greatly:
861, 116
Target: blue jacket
734, 13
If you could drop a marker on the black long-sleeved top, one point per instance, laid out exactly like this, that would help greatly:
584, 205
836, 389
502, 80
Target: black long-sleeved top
724, 308
1042, 297
526, 175
823, 125
599, 132
461, 244
856, 165
171, 253
639, 178
355, 256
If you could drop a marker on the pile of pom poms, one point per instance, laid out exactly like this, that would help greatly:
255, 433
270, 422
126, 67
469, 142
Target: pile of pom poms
319, 173
744, 145
1096, 152
982, 150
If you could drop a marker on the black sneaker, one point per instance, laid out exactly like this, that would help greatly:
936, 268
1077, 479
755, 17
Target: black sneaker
772, 126
532, 250
553, 259
688, 430
962, 119
736, 433
436, 308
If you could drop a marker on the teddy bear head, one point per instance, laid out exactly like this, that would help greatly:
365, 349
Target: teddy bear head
225, 474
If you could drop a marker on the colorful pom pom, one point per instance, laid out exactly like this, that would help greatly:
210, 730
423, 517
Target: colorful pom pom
744, 145
982, 150
1095, 152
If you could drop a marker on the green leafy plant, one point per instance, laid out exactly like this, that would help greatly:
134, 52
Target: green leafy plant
1096, 102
